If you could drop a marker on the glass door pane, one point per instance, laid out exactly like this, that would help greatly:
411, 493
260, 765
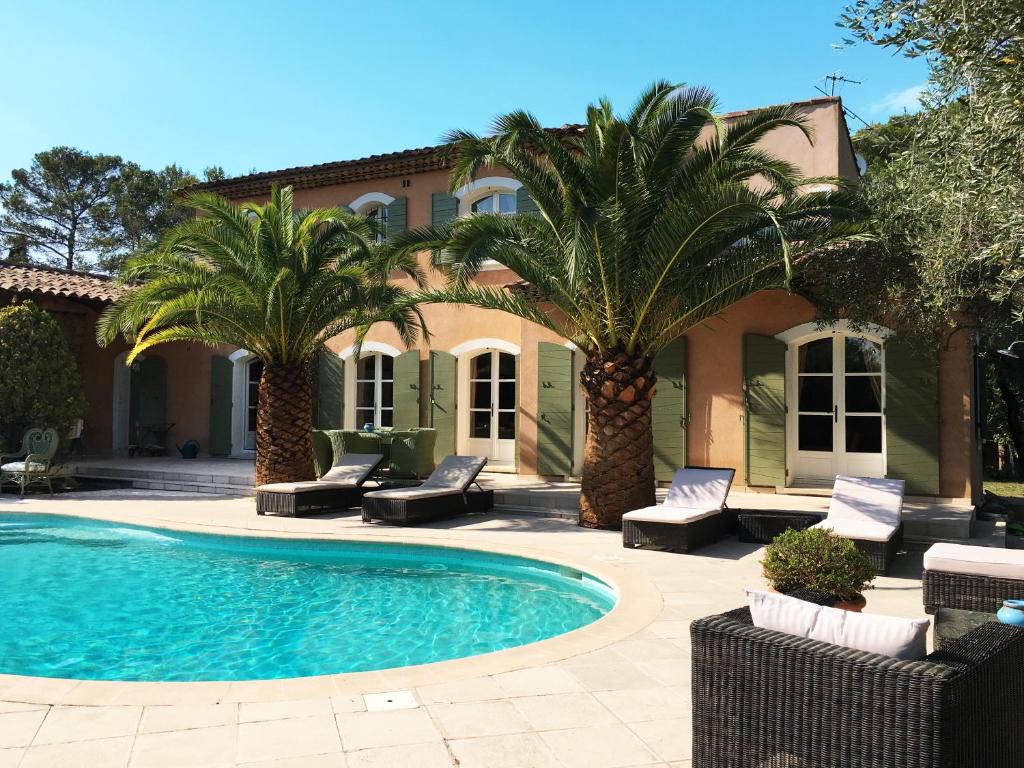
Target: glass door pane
862, 397
481, 394
815, 396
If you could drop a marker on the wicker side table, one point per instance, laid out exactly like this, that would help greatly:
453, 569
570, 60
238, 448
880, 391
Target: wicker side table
762, 525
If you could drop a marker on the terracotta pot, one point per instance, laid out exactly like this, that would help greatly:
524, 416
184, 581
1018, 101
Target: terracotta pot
852, 605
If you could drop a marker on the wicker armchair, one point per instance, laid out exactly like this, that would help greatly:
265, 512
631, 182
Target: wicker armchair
32, 465
765, 699
971, 578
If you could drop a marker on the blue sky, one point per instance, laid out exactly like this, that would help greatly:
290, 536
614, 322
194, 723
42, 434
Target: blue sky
269, 85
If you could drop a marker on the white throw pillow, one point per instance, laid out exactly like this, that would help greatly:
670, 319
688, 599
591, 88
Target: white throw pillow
885, 635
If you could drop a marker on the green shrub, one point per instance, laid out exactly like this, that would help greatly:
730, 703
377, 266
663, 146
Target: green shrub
817, 559
40, 385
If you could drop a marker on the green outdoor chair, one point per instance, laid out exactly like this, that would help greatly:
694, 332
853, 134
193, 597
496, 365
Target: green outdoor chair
32, 465
354, 441
412, 454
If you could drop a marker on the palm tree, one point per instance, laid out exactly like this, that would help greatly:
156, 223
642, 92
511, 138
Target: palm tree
272, 280
646, 225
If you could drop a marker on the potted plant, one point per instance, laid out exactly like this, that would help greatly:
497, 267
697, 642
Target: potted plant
816, 558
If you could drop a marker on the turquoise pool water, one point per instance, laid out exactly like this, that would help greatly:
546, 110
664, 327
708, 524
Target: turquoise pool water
103, 601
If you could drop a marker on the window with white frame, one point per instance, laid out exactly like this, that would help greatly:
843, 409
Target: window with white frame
375, 384
495, 202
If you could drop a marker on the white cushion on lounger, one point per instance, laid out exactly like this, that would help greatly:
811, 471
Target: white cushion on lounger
975, 561
453, 476
302, 485
353, 468
457, 472
662, 513
886, 635
698, 488
859, 529
866, 508
415, 492
350, 471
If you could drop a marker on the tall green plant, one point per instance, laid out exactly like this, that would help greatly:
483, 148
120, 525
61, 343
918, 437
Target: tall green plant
272, 280
40, 385
647, 224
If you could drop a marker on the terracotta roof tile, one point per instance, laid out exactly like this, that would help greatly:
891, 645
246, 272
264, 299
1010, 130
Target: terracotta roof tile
22, 278
403, 163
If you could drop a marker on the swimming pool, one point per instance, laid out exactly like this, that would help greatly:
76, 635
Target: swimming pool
95, 600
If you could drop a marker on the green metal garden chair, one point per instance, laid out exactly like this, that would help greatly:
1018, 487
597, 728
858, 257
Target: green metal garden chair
33, 464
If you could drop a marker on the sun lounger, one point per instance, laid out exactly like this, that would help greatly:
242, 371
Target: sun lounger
867, 510
340, 488
691, 516
446, 493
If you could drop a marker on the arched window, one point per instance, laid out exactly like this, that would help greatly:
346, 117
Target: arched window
375, 384
375, 205
495, 202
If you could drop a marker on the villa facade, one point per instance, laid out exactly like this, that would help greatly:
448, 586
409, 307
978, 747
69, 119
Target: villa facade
761, 387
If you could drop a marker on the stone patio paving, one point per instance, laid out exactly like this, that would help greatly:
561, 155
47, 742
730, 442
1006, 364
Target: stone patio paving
625, 704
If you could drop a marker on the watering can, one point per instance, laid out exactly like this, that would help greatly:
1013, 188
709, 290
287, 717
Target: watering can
189, 449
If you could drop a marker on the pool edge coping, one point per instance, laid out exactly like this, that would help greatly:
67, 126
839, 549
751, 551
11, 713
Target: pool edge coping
638, 604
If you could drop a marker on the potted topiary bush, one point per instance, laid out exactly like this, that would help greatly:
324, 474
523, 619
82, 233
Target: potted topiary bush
818, 559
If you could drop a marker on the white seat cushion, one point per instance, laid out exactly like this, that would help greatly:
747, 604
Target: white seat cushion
865, 530
663, 513
302, 485
416, 492
19, 466
455, 472
353, 468
975, 561
698, 488
868, 499
885, 635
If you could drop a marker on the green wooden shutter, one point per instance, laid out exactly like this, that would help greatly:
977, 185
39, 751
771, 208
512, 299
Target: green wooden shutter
764, 409
397, 216
219, 439
406, 399
442, 403
554, 409
443, 208
148, 403
525, 203
912, 416
330, 391
668, 410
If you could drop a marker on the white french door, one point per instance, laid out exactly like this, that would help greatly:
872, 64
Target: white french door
492, 406
836, 409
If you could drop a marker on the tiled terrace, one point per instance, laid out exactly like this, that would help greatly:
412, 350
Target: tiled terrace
624, 703
925, 519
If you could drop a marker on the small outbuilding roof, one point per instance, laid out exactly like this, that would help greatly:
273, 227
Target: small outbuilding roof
36, 279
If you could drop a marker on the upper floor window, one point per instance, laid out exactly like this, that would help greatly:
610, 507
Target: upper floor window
495, 202
379, 214
375, 384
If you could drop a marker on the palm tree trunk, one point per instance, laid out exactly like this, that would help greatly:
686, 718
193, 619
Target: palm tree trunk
284, 425
618, 461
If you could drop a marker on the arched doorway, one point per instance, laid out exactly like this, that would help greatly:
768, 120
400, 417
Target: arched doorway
836, 406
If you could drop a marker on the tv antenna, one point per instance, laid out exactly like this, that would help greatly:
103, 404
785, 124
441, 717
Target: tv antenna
836, 81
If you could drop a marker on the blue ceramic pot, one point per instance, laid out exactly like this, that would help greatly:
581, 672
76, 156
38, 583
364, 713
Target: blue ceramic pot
1012, 613
368, 426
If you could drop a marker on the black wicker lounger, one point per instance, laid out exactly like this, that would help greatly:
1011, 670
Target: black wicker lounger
867, 510
763, 699
971, 578
341, 488
445, 494
691, 516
